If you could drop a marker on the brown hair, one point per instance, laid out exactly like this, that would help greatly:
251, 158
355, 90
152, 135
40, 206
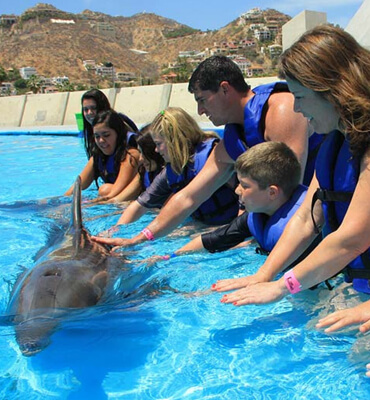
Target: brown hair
328, 60
270, 163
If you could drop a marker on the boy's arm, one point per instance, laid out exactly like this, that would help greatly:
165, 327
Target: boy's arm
227, 236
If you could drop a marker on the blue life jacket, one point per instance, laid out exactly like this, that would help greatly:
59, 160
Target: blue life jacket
107, 169
131, 139
222, 206
149, 177
267, 230
146, 180
337, 172
238, 139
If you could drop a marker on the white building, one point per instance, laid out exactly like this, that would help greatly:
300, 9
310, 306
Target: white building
262, 34
242, 63
59, 80
125, 76
102, 70
358, 26
27, 72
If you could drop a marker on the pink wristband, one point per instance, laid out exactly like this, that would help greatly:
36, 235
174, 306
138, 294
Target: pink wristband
147, 233
291, 282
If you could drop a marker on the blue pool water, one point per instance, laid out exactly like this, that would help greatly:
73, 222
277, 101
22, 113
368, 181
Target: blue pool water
165, 341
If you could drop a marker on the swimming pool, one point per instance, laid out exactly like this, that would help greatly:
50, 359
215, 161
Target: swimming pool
164, 341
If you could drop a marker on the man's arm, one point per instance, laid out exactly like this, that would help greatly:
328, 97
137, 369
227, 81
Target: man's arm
282, 124
217, 171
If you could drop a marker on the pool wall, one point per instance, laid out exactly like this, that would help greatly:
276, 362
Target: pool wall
54, 113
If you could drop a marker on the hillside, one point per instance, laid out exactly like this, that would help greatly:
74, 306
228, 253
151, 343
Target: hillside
56, 42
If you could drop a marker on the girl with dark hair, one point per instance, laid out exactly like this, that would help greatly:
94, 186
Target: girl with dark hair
93, 102
152, 161
112, 158
151, 164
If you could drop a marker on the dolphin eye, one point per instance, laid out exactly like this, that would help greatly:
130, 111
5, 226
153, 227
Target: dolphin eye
53, 272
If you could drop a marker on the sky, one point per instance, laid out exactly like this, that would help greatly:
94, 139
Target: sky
198, 14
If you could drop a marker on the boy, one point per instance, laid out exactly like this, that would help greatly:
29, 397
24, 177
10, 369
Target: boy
269, 189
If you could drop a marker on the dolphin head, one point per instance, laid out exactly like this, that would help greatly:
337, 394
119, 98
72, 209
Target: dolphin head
33, 335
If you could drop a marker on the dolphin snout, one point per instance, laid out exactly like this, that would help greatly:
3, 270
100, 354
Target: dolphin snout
32, 347
33, 335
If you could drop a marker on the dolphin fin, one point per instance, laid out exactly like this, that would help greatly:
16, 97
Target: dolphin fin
76, 216
75, 227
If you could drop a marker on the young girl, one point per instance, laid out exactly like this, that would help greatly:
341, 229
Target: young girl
93, 102
150, 165
185, 149
112, 160
152, 161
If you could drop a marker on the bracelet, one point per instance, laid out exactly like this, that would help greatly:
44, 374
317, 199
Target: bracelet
167, 257
291, 282
148, 234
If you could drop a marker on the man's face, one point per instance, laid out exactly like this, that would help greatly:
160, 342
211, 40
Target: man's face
212, 104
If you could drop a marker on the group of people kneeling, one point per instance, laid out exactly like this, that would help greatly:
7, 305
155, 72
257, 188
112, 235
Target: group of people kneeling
294, 155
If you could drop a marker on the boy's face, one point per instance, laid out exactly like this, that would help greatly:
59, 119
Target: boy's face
251, 196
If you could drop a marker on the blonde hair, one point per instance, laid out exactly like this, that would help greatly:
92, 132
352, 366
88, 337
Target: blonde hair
329, 60
181, 133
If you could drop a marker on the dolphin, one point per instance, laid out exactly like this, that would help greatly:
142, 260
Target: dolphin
75, 273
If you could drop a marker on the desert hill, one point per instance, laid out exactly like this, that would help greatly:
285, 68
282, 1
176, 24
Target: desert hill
56, 42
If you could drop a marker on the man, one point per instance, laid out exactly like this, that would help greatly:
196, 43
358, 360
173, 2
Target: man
223, 95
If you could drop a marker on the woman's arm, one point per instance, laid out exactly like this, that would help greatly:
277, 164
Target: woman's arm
131, 191
132, 213
87, 177
127, 172
297, 236
336, 250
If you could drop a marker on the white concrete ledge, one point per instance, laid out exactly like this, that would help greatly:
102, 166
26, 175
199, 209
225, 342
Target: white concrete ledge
55, 112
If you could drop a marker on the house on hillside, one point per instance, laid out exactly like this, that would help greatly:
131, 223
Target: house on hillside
105, 28
243, 63
27, 72
8, 20
122, 76
104, 70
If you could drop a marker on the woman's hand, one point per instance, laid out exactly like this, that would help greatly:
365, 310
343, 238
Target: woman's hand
225, 285
260, 293
108, 233
350, 316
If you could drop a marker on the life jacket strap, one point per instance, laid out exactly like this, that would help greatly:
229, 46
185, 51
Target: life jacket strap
328, 196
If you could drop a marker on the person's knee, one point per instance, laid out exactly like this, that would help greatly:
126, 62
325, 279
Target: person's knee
105, 189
